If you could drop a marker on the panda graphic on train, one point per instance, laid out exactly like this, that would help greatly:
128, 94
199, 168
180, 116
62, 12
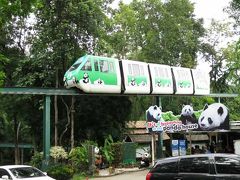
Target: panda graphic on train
96, 74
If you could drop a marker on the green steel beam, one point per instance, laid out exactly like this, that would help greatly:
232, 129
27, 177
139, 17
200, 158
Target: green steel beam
46, 131
39, 91
75, 92
12, 145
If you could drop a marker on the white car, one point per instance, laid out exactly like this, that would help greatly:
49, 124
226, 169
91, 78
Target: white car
16, 172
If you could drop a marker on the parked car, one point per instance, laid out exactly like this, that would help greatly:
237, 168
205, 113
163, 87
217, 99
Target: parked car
197, 167
16, 172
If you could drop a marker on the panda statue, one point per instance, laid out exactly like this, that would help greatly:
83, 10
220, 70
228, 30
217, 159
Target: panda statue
154, 114
187, 115
214, 116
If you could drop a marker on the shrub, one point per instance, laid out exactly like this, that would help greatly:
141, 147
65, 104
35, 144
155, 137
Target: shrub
58, 153
108, 150
79, 158
117, 153
36, 159
61, 172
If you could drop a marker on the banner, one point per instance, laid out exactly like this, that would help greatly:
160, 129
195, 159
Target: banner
213, 117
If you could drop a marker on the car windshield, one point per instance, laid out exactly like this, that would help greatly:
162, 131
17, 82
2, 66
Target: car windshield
26, 172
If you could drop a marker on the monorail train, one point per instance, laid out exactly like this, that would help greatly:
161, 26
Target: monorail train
95, 74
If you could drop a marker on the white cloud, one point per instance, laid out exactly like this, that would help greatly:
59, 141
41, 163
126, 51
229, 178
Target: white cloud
211, 9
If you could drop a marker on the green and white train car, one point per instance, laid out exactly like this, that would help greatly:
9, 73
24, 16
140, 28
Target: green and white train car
95, 74
183, 80
135, 77
162, 79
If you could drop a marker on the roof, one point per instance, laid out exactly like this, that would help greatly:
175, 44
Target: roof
143, 138
136, 124
198, 137
138, 133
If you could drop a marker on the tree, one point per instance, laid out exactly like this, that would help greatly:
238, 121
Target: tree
157, 32
65, 31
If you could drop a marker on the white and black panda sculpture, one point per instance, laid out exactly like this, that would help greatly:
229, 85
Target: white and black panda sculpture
187, 115
154, 114
214, 116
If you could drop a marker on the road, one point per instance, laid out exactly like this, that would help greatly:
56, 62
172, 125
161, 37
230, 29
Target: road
139, 175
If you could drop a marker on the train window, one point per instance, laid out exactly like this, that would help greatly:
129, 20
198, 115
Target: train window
111, 67
75, 66
136, 70
166, 73
129, 69
141, 71
103, 65
156, 71
87, 66
96, 65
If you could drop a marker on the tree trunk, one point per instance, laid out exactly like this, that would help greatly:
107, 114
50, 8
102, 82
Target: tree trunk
56, 113
16, 134
72, 121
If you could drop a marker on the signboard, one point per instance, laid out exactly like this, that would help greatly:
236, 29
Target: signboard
174, 147
182, 147
183, 80
201, 80
213, 117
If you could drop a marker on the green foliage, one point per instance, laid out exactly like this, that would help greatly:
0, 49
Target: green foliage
117, 149
169, 116
61, 172
58, 153
198, 113
168, 33
78, 156
36, 160
108, 150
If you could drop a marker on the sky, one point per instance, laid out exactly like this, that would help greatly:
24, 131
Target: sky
211, 9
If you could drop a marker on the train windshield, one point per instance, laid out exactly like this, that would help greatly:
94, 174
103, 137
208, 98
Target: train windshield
75, 66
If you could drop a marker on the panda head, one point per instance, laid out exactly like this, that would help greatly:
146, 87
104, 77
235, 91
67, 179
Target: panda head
155, 112
187, 110
213, 116
85, 76
96, 150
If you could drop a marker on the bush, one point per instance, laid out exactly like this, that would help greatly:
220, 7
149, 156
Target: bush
117, 153
58, 153
79, 158
36, 160
61, 172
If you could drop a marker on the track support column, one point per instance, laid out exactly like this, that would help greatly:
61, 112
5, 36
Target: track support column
160, 134
46, 131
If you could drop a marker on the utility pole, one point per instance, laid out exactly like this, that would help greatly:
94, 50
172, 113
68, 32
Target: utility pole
160, 134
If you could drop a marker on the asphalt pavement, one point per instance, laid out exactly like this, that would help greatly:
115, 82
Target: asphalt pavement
138, 175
